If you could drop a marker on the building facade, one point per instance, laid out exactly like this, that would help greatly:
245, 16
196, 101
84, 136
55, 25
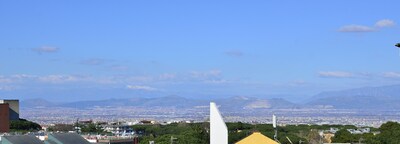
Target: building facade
4, 118
13, 108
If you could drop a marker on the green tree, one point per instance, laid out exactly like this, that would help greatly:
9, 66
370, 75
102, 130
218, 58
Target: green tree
24, 125
390, 133
343, 136
62, 127
92, 128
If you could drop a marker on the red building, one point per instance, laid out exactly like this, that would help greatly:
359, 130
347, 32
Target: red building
4, 118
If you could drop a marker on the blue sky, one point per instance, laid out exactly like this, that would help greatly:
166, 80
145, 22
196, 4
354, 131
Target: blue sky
73, 50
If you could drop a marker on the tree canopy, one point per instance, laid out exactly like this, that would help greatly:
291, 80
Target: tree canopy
24, 125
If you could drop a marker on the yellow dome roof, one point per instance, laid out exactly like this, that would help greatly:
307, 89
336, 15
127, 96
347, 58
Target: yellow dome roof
257, 138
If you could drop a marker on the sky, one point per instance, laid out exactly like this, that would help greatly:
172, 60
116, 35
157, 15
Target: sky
89, 50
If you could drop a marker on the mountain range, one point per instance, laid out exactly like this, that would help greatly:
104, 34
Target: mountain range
382, 98
232, 103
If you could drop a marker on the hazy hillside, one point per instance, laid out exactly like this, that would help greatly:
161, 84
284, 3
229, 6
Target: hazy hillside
31, 103
385, 97
241, 102
233, 103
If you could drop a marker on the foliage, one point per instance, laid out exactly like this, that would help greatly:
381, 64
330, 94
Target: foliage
343, 136
91, 128
22, 125
198, 133
182, 133
61, 128
390, 133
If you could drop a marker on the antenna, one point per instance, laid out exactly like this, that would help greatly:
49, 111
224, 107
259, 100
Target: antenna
77, 119
77, 126
274, 121
275, 128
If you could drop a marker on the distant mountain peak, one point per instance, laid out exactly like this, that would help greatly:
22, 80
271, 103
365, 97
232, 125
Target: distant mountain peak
241, 98
36, 102
174, 97
382, 97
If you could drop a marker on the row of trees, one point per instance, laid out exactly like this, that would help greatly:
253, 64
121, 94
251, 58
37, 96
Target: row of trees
84, 128
389, 134
199, 132
23, 125
196, 133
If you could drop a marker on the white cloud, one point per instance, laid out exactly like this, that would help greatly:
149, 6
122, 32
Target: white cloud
93, 61
119, 68
362, 28
60, 78
234, 53
298, 83
385, 23
24, 78
6, 88
216, 81
208, 77
206, 74
4, 79
140, 87
46, 49
335, 74
167, 76
16, 78
356, 28
142, 79
391, 74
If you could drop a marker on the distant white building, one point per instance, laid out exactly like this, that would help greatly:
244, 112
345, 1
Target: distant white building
218, 129
120, 130
359, 131
332, 130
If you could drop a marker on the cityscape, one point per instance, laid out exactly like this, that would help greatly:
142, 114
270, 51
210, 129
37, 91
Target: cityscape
199, 72
121, 122
164, 115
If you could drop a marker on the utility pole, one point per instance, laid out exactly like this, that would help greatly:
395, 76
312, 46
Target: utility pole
77, 126
289, 140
